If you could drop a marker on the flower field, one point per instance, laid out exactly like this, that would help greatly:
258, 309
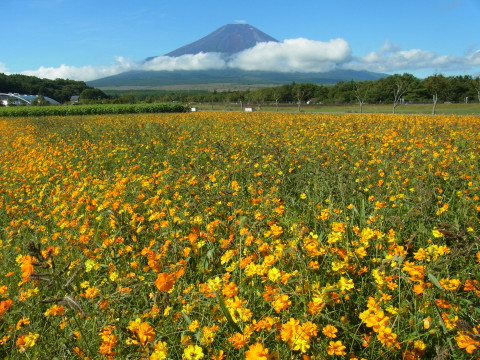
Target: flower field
240, 236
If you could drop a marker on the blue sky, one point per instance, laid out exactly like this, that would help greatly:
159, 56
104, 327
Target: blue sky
86, 39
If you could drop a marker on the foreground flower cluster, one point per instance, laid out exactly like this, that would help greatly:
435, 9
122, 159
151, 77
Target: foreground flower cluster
229, 236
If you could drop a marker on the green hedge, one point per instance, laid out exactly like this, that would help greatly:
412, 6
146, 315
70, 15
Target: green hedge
98, 109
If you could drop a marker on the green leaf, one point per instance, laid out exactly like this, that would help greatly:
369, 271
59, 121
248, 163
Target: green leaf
434, 281
226, 313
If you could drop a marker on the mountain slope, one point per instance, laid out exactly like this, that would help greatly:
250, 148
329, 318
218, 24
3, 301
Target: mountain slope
228, 39
227, 76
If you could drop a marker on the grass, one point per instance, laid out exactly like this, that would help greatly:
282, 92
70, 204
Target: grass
425, 109
218, 235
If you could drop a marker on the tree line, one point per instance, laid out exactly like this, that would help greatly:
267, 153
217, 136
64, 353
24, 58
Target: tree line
394, 89
60, 90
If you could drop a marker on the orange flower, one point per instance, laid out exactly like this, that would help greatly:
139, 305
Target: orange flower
5, 305
90, 292
257, 352
336, 348
230, 290
238, 340
55, 310
281, 302
165, 281
109, 341
387, 337
145, 333
469, 342
330, 331
26, 264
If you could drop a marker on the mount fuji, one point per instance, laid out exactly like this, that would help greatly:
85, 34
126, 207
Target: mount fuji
212, 60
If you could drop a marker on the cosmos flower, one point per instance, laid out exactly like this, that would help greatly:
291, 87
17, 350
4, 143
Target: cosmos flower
193, 352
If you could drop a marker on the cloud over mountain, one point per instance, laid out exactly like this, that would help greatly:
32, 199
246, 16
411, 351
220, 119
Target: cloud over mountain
200, 61
293, 55
241, 46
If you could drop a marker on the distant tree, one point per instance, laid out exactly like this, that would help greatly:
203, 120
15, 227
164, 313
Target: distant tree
475, 83
321, 93
237, 97
303, 92
361, 91
286, 92
458, 88
276, 96
128, 98
399, 86
260, 96
92, 94
437, 86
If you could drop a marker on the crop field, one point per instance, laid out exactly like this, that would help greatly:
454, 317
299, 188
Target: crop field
93, 109
218, 235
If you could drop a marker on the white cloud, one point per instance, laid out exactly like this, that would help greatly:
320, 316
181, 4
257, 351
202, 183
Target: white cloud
88, 72
201, 61
391, 58
473, 58
292, 55
3, 68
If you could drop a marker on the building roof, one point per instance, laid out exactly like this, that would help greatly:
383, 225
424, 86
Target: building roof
28, 98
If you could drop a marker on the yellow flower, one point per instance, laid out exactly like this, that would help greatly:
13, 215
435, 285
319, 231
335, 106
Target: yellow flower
274, 274
208, 334
298, 336
193, 352
345, 284
113, 276
21, 322
159, 351
194, 325
91, 265
437, 233
26, 341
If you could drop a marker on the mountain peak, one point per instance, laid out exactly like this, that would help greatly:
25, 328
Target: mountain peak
228, 39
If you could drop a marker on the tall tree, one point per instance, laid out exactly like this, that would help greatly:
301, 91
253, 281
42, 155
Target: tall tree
303, 92
399, 85
476, 85
437, 86
361, 91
